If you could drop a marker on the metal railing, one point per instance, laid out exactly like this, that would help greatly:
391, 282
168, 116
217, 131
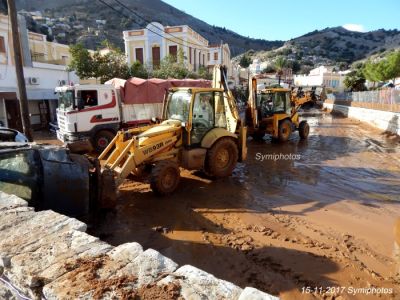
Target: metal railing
387, 98
40, 57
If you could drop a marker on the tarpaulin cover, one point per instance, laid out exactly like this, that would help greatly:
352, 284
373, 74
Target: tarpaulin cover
117, 83
140, 91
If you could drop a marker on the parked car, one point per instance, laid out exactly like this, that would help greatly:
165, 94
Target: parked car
12, 135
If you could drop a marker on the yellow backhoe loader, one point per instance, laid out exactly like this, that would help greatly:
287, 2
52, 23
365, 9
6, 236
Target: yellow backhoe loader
273, 111
200, 130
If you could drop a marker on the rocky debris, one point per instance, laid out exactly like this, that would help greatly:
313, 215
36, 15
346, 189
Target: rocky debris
238, 242
161, 229
45, 254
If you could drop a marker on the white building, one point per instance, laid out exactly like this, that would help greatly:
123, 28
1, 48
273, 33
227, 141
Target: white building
220, 55
257, 66
153, 43
322, 76
44, 69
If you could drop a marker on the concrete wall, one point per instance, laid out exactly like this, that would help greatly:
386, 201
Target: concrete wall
48, 255
384, 120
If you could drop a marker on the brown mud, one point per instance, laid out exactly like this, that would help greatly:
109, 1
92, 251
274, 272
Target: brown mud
323, 221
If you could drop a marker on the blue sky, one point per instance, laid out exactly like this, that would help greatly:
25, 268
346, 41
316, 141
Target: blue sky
284, 19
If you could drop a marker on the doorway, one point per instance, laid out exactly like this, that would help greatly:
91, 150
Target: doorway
13, 114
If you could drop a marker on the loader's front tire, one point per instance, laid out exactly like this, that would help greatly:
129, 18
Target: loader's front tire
304, 130
222, 158
165, 177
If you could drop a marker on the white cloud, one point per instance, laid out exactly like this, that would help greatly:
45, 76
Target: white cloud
354, 27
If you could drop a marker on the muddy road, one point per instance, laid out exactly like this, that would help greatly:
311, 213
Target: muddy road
320, 216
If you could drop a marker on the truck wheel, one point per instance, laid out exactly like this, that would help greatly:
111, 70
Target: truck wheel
221, 158
304, 129
285, 130
102, 139
165, 177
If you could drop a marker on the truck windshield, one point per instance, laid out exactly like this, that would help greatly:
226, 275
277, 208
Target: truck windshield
66, 100
179, 105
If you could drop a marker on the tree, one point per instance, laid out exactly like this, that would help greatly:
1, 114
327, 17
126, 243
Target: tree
389, 67
108, 66
280, 64
355, 81
111, 65
204, 73
269, 69
370, 71
81, 62
138, 70
172, 67
245, 61
294, 65
385, 69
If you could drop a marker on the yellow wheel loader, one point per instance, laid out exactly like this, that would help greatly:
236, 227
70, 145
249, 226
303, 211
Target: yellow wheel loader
200, 130
273, 111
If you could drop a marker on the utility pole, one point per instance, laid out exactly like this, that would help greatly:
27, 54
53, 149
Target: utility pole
19, 70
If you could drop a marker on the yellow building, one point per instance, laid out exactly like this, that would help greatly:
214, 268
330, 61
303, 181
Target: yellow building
47, 52
45, 67
151, 44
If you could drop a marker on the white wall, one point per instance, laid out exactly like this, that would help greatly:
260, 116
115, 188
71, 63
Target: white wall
48, 75
384, 120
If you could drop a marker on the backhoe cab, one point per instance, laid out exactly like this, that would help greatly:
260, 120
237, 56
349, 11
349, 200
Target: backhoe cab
200, 130
272, 111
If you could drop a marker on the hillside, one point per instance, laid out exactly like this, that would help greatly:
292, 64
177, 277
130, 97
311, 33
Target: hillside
331, 46
84, 13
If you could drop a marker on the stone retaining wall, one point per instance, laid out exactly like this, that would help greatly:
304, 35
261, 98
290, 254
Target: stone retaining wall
48, 255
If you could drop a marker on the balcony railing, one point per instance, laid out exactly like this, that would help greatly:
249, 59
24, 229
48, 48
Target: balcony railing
41, 57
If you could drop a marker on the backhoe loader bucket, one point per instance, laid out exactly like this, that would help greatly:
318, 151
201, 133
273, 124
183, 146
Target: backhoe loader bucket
108, 189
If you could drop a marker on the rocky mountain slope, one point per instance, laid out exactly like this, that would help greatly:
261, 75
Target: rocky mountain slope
86, 12
332, 46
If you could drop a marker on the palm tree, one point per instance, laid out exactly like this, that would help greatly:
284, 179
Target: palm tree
280, 64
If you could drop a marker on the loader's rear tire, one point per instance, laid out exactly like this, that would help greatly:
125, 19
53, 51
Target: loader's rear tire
222, 158
165, 177
102, 139
304, 130
285, 130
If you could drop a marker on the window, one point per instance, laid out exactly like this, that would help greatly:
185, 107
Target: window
179, 105
155, 51
194, 59
88, 97
204, 59
203, 116
139, 55
173, 50
19, 174
2, 45
215, 55
208, 57
190, 55
220, 116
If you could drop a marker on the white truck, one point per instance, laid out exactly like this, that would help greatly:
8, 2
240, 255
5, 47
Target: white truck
97, 112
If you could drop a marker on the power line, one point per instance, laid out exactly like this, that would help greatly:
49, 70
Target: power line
111, 7
147, 21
